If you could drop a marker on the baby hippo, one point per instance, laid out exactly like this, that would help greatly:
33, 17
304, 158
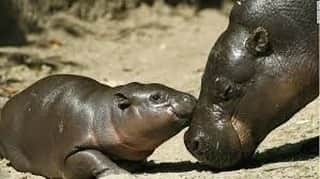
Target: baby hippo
73, 127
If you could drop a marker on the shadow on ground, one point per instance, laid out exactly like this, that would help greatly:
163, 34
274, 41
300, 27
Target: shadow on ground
300, 151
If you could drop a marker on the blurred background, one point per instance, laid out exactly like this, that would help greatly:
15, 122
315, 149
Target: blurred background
119, 41
101, 36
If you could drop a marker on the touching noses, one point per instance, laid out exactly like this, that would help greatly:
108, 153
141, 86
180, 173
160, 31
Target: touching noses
185, 105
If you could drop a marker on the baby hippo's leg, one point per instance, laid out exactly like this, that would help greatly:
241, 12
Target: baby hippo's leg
89, 164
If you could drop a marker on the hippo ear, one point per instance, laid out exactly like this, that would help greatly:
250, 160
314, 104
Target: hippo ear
258, 42
122, 101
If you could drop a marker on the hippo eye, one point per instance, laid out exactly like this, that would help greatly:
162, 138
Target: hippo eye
157, 98
230, 92
227, 92
226, 89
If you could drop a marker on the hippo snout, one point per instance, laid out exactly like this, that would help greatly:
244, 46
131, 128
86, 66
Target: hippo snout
214, 141
184, 105
197, 143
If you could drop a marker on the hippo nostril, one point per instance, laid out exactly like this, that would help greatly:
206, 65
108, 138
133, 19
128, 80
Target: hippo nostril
195, 145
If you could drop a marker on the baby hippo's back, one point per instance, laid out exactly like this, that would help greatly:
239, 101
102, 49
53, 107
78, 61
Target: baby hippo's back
54, 111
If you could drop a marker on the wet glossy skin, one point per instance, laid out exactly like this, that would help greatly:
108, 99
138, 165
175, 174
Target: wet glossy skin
261, 71
76, 128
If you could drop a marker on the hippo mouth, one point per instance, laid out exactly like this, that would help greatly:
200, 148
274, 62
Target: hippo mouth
219, 143
182, 118
240, 134
220, 151
180, 115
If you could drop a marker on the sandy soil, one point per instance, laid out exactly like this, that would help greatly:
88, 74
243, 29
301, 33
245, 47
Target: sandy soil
154, 45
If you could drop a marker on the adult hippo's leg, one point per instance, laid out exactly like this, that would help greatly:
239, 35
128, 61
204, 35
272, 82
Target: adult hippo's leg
262, 70
88, 164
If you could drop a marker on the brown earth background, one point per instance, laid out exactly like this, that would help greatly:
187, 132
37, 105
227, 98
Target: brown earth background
119, 41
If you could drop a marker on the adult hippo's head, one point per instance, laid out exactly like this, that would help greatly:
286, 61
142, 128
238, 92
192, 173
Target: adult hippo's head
261, 71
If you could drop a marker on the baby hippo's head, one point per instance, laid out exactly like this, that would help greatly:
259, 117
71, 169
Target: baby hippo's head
149, 114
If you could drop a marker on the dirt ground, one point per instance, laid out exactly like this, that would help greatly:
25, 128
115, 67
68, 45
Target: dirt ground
154, 45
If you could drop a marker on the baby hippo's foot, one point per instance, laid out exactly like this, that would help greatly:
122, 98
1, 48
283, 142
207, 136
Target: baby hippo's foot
90, 164
116, 176
113, 173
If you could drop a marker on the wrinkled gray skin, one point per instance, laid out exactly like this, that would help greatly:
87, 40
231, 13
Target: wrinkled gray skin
76, 128
261, 71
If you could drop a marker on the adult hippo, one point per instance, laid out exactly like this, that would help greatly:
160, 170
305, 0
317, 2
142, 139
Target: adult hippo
261, 71
72, 127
